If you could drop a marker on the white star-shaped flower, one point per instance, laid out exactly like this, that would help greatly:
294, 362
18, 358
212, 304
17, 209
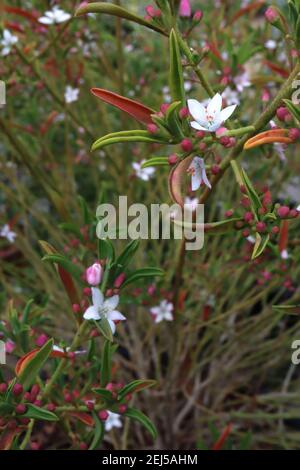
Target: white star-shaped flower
8, 41
113, 421
71, 94
104, 308
198, 172
162, 312
54, 16
7, 233
143, 173
209, 118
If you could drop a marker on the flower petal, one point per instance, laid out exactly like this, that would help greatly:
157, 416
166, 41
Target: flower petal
91, 314
112, 326
226, 112
197, 110
215, 105
111, 302
196, 125
115, 315
97, 297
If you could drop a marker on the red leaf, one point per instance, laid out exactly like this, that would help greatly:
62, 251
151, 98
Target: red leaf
277, 69
7, 439
220, 442
24, 360
21, 12
83, 417
246, 10
137, 110
283, 237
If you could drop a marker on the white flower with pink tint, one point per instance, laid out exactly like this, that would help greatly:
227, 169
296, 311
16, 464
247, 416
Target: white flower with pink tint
104, 308
113, 421
143, 173
209, 118
162, 312
198, 173
7, 233
8, 41
54, 16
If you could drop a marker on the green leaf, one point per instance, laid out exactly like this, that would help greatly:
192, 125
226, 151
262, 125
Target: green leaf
98, 432
176, 73
294, 110
106, 395
156, 161
115, 10
34, 412
126, 256
120, 140
243, 180
65, 263
32, 368
138, 416
6, 408
260, 245
136, 386
106, 250
211, 228
142, 274
104, 328
105, 370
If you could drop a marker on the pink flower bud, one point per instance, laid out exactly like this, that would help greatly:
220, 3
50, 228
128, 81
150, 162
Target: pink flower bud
41, 340
283, 114
9, 346
283, 211
119, 280
200, 134
150, 10
20, 409
152, 128
215, 169
293, 213
183, 113
87, 291
275, 230
51, 407
103, 415
185, 9
172, 159
3, 387
248, 216
229, 213
122, 409
221, 131
94, 274
83, 446
271, 15
202, 146
17, 390
164, 107
260, 227
294, 134
186, 145
197, 16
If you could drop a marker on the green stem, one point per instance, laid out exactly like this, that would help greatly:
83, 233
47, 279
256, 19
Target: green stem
60, 368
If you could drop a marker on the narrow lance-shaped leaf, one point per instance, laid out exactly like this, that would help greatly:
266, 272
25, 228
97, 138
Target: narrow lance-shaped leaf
260, 245
176, 73
29, 372
35, 412
115, 10
138, 416
136, 386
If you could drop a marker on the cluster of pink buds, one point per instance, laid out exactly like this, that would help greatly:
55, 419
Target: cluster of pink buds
152, 12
